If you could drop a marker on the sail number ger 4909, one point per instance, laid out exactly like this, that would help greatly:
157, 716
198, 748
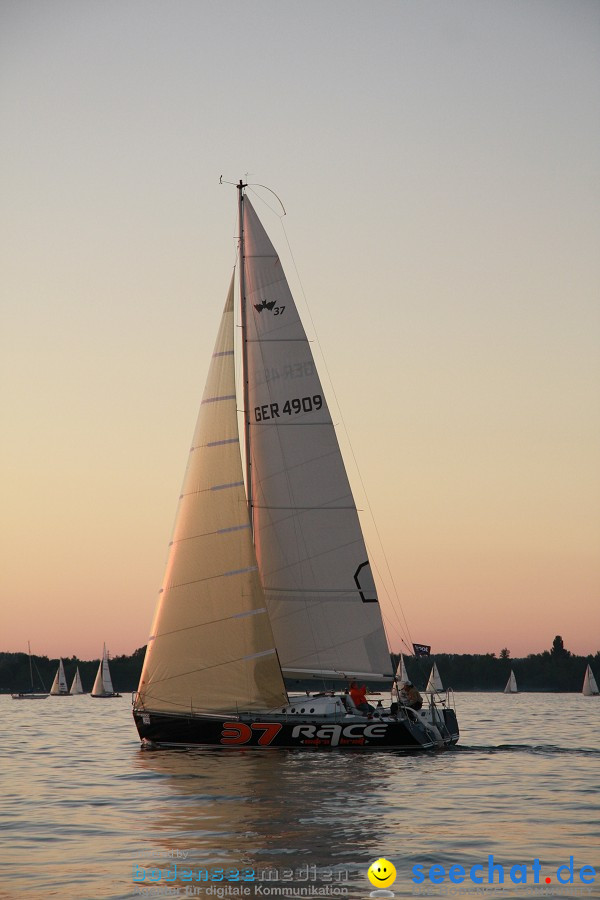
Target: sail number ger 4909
290, 408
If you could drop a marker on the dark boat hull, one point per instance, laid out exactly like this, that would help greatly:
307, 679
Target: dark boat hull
297, 732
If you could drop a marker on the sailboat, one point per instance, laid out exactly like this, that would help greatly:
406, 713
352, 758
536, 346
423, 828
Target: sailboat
268, 576
103, 686
511, 684
31, 695
400, 678
59, 685
590, 687
434, 683
77, 687
401, 673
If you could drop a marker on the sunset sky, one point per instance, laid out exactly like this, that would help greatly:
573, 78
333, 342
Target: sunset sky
439, 164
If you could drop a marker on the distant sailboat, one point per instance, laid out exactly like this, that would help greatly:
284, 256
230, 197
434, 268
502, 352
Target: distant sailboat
59, 685
77, 687
401, 673
511, 684
401, 677
435, 682
31, 695
103, 686
590, 687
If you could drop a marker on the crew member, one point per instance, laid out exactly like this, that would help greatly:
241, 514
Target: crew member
359, 697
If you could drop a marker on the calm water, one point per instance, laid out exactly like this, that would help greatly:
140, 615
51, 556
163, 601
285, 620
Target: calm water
82, 805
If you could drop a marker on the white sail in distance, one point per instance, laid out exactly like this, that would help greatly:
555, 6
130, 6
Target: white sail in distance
311, 553
590, 687
77, 687
106, 679
212, 647
401, 673
435, 682
103, 685
511, 684
400, 678
98, 688
59, 685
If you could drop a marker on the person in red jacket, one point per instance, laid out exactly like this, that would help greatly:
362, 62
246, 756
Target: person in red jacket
359, 697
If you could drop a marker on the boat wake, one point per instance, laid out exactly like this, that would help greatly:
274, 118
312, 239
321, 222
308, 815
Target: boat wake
535, 749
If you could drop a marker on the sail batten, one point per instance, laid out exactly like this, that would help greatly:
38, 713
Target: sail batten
227, 530
298, 673
219, 399
219, 443
252, 612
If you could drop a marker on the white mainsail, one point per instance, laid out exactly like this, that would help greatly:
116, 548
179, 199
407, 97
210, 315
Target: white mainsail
106, 679
435, 682
511, 684
590, 687
311, 553
212, 646
59, 685
77, 686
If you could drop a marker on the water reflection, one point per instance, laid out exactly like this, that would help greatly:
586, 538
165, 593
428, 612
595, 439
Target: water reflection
270, 810
505, 790
81, 803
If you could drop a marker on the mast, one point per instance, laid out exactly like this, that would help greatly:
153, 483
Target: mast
30, 666
248, 462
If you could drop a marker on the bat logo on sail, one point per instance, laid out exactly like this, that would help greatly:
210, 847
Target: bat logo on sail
264, 305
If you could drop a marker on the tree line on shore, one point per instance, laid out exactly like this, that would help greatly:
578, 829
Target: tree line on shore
553, 670
15, 672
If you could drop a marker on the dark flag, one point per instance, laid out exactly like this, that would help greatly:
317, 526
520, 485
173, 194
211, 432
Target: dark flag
421, 649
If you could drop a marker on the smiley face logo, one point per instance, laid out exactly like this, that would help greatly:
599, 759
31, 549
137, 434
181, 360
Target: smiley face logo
381, 873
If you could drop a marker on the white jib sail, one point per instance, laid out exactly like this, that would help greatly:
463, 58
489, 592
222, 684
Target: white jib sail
435, 682
212, 646
511, 684
59, 685
77, 687
590, 687
312, 557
